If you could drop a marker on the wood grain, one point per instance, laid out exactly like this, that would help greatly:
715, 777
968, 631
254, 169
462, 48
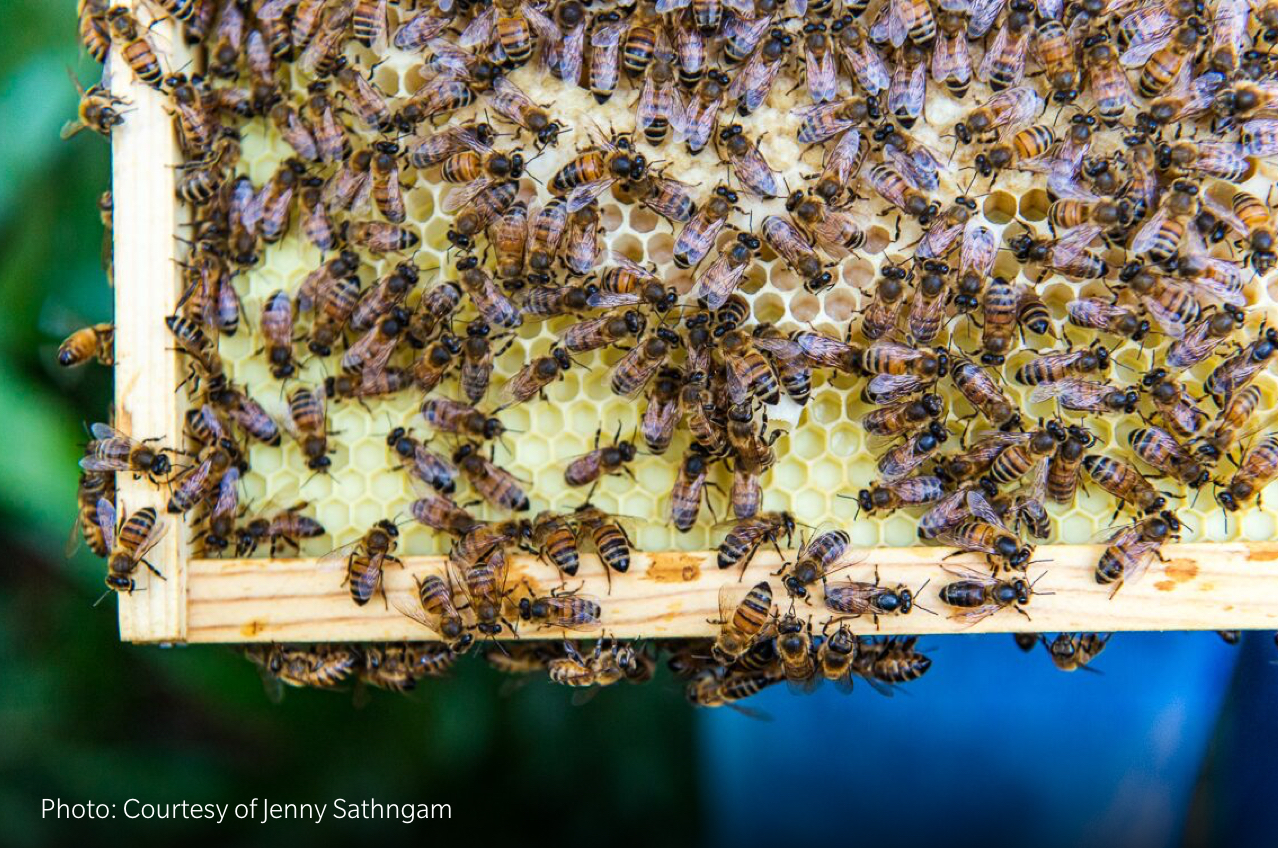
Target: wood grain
1214, 586
147, 286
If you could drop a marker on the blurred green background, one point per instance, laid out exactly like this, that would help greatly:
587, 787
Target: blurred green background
82, 716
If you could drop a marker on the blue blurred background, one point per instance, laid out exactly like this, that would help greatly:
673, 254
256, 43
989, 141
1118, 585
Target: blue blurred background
1173, 744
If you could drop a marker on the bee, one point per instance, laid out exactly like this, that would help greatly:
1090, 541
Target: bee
1051, 367
903, 459
1003, 114
834, 230
977, 596
438, 147
1258, 468
451, 416
747, 534
854, 599
890, 662
276, 325
129, 542
335, 297
319, 666
369, 355
365, 559
556, 539
567, 611
1086, 396
99, 110
286, 527
887, 357
1177, 409
439, 513
863, 60
1237, 412
794, 647
904, 416
717, 284
491, 303
493, 483
983, 393
981, 530
754, 80
747, 162
633, 371
547, 230
95, 34
1259, 137
1159, 238
1251, 218
700, 233
1004, 64
476, 205
423, 463
1129, 551
369, 25
685, 496
741, 35
351, 187
508, 236
610, 539
1074, 651
881, 314
835, 658
668, 198
317, 226
796, 250
1162, 68
1066, 255
93, 486
741, 623
477, 361
749, 373
788, 360
892, 186
819, 557
515, 106
1093, 313
661, 415
580, 251
135, 47
111, 450
605, 55
611, 459
307, 424
534, 377
1239, 370
1123, 482
214, 463
380, 237
690, 48
397, 668
249, 415
546, 301
1064, 465
323, 48
824, 121
660, 105
1109, 84
594, 333
93, 342
1054, 49
891, 495
698, 409
701, 113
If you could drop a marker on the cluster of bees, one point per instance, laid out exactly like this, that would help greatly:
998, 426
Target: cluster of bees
1156, 223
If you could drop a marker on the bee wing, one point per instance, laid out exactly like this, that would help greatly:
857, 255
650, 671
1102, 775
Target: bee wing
461, 196
962, 572
849, 597
1048, 391
106, 521
607, 36
993, 53
950, 58
890, 387
980, 248
900, 462
1260, 137
571, 53
479, 32
937, 241
822, 82
563, 612
1072, 245
665, 6
981, 17
611, 300
889, 25
103, 432
982, 510
670, 200
336, 558
780, 348
919, 167
409, 605
228, 493
584, 194
1050, 8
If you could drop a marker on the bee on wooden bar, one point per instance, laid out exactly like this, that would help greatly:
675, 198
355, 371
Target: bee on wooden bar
435, 611
555, 537
129, 542
612, 542
565, 610
977, 596
742, 620
111, 450
364, 559
1129, 551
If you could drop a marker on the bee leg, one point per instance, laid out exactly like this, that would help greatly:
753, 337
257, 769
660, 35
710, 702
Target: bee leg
154, 570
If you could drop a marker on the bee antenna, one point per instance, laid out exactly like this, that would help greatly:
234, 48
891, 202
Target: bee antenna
919, 606
101, 597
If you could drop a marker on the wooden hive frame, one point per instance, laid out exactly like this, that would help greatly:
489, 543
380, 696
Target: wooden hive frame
1201, 586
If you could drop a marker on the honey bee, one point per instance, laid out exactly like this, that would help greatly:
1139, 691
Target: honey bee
906, 457
902, 417
351, 186
1236, 414
1129, 551
594, 333
307, 424
1123, 482
329, 34
334, 298
795, 650
1095, 314
134, 45
1086, 396
661, 415
439, 513
1258, 468
796, 250
380, 237
513, 105
1159, 449
276, 325
717, 284
1109, 85
685, 496
754, 80
748, 534
854, 599
317, 226
1178, 410
285, 527
423, 463
1239, 370
93, 486
476, 205
864, 61
317, 666
788, 359
129, 542
1051, 367
660, 105
611, 459
609, 537
489, 300
835, 657
1067, 255
95, 34
983, 393
99, 110
1064, 465
580, 251
820, 556
451, 416
555, 537
1164, 65
93, 342
369, 355
700, 233
977, 596
887, 663
1004, 64
698, 409
477, 361
533, 378
436, 148
111, 450
747, 162
508, 236
1250, 218
493, 483
741, 622
568, 611
834, 230
1259, 137
1003, 114
633, 371
435, 611
891, 185
1074, 651
1054, 48
365, 559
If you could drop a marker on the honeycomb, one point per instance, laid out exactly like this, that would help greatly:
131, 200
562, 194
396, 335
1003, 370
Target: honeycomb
825, 454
